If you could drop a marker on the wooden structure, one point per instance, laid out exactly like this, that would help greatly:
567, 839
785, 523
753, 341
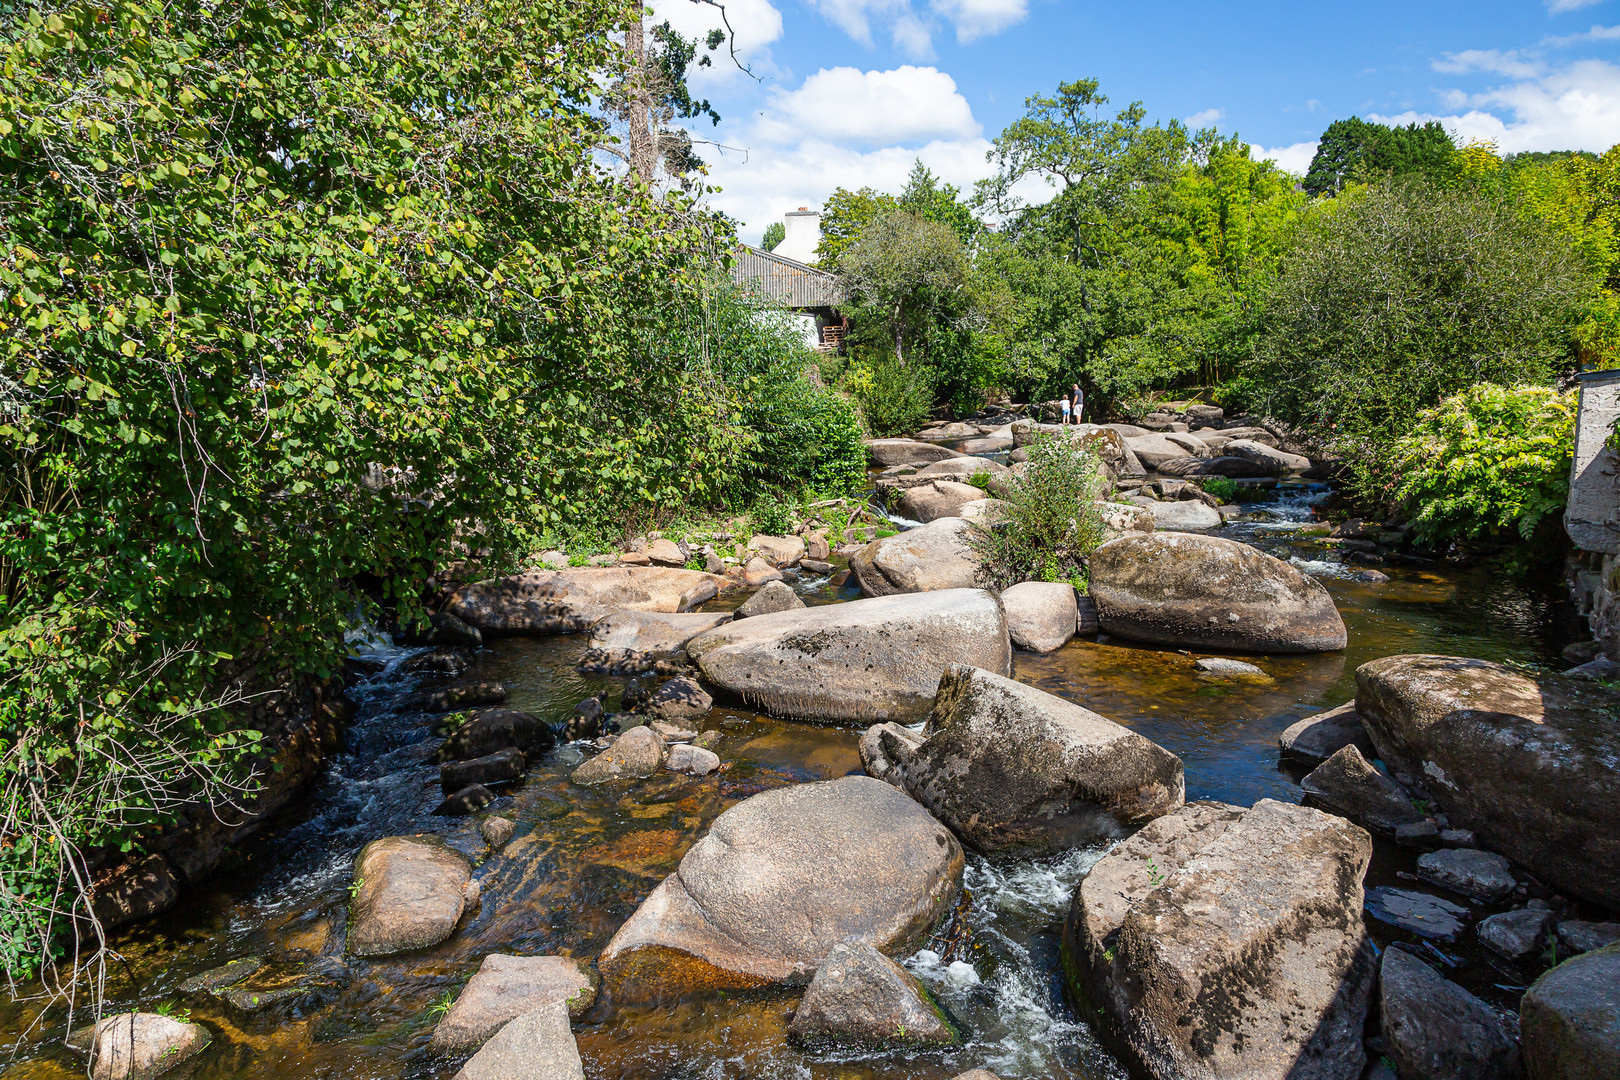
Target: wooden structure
812, 294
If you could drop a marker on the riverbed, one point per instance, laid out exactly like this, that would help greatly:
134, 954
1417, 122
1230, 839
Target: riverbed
584, 858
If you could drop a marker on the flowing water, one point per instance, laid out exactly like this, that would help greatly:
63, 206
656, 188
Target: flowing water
584, 858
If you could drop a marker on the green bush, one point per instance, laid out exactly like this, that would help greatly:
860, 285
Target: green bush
1223, 488
770, 516
1488, 461
895, 398
1050, 523
980, 480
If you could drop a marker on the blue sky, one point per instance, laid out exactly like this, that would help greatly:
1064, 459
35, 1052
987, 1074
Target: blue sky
850, 92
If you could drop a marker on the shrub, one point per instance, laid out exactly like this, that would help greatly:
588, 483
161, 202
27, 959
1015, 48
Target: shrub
895, 399
1223, 488
1051, 523
980, 480
1489, 460
770, 516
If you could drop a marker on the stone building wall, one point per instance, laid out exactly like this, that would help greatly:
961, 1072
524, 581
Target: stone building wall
1592, 517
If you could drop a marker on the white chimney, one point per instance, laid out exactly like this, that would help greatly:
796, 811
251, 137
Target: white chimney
803, 235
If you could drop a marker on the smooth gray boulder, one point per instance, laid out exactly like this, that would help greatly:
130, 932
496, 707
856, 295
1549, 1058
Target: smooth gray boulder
860, 998
139, 1046
1184, 515
1347, 785
1275, 461
893, 481
1219, 941
1237, 468
490, 731
873, 758
569, 601
1478, 875
1578, 935
411, 893
506, 987
1530, 769
782, 552
1041, 615
637, 754
1569, 1019
694, 760
938, 499
780, 879
681, 698
538, 1045
1154, 450
1225, 665
652, 633
1436, 1030
1208, 592
865, 661
1517, 935
1005, 765
1318, 737
936, 556
888, 452
772, 596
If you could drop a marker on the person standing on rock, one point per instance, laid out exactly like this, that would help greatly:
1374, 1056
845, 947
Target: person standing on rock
1063, 403
1079, 402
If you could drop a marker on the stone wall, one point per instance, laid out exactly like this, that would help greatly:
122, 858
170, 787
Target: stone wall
1592, 517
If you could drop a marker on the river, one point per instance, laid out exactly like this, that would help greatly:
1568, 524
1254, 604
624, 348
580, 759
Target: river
584, 858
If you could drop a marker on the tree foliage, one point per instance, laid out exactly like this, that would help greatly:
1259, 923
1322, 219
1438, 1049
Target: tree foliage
1399, 296
775, 233
1360, 151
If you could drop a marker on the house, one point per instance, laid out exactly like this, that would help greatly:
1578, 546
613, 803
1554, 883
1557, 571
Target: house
786, 278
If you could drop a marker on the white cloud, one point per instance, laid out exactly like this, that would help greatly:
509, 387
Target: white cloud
975, 19
755, 25
1198, 121
843, 104
913, 30
1597, 33
1296, 158
1574, 108
1558, 7
757, 191
1507, 63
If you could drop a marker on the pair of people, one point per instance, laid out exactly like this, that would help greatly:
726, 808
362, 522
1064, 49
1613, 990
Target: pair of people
1072, 404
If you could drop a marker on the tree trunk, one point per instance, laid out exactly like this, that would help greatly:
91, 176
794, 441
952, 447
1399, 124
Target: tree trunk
638, 105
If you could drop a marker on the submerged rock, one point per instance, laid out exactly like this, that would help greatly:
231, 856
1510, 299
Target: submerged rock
411, 893
780, 879
1226, 942
498, 768
1225, 665
506, 987
1318, 737
1007, 765
138, 1046
569, 601
861, 998
1041, 615
220, 977
936, 556
469, 800
772, 596
1437, 1030
538, 1045
1569, 1019
1478, 875
493, 730
496, 831
1529, 768
1347, 785
1204, 592
867, 660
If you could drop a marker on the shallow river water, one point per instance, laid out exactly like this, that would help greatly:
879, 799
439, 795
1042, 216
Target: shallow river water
584, 858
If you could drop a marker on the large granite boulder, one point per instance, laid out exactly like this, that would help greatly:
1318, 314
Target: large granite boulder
1437, 1030
782, 878
651, 634
960, 468
860, 998
782, 552
1184, 515
1276, 461
637, 754
936, 556
1233, 467
1569, 1020
1006, 765
569, 601
411, 893
1206, 592
1155, 450
1219, 941
772, 596
1346, 784
888, 452
1041, 615
139, 1046
867, 660
490, 731
538, 1045
938, 499
506, 987
1533, 770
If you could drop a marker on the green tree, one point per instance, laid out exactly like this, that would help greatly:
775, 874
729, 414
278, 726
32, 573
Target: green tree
775, 233
292, 299
844, 217
906, 274
928, 198
1401, 295
1357, 150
